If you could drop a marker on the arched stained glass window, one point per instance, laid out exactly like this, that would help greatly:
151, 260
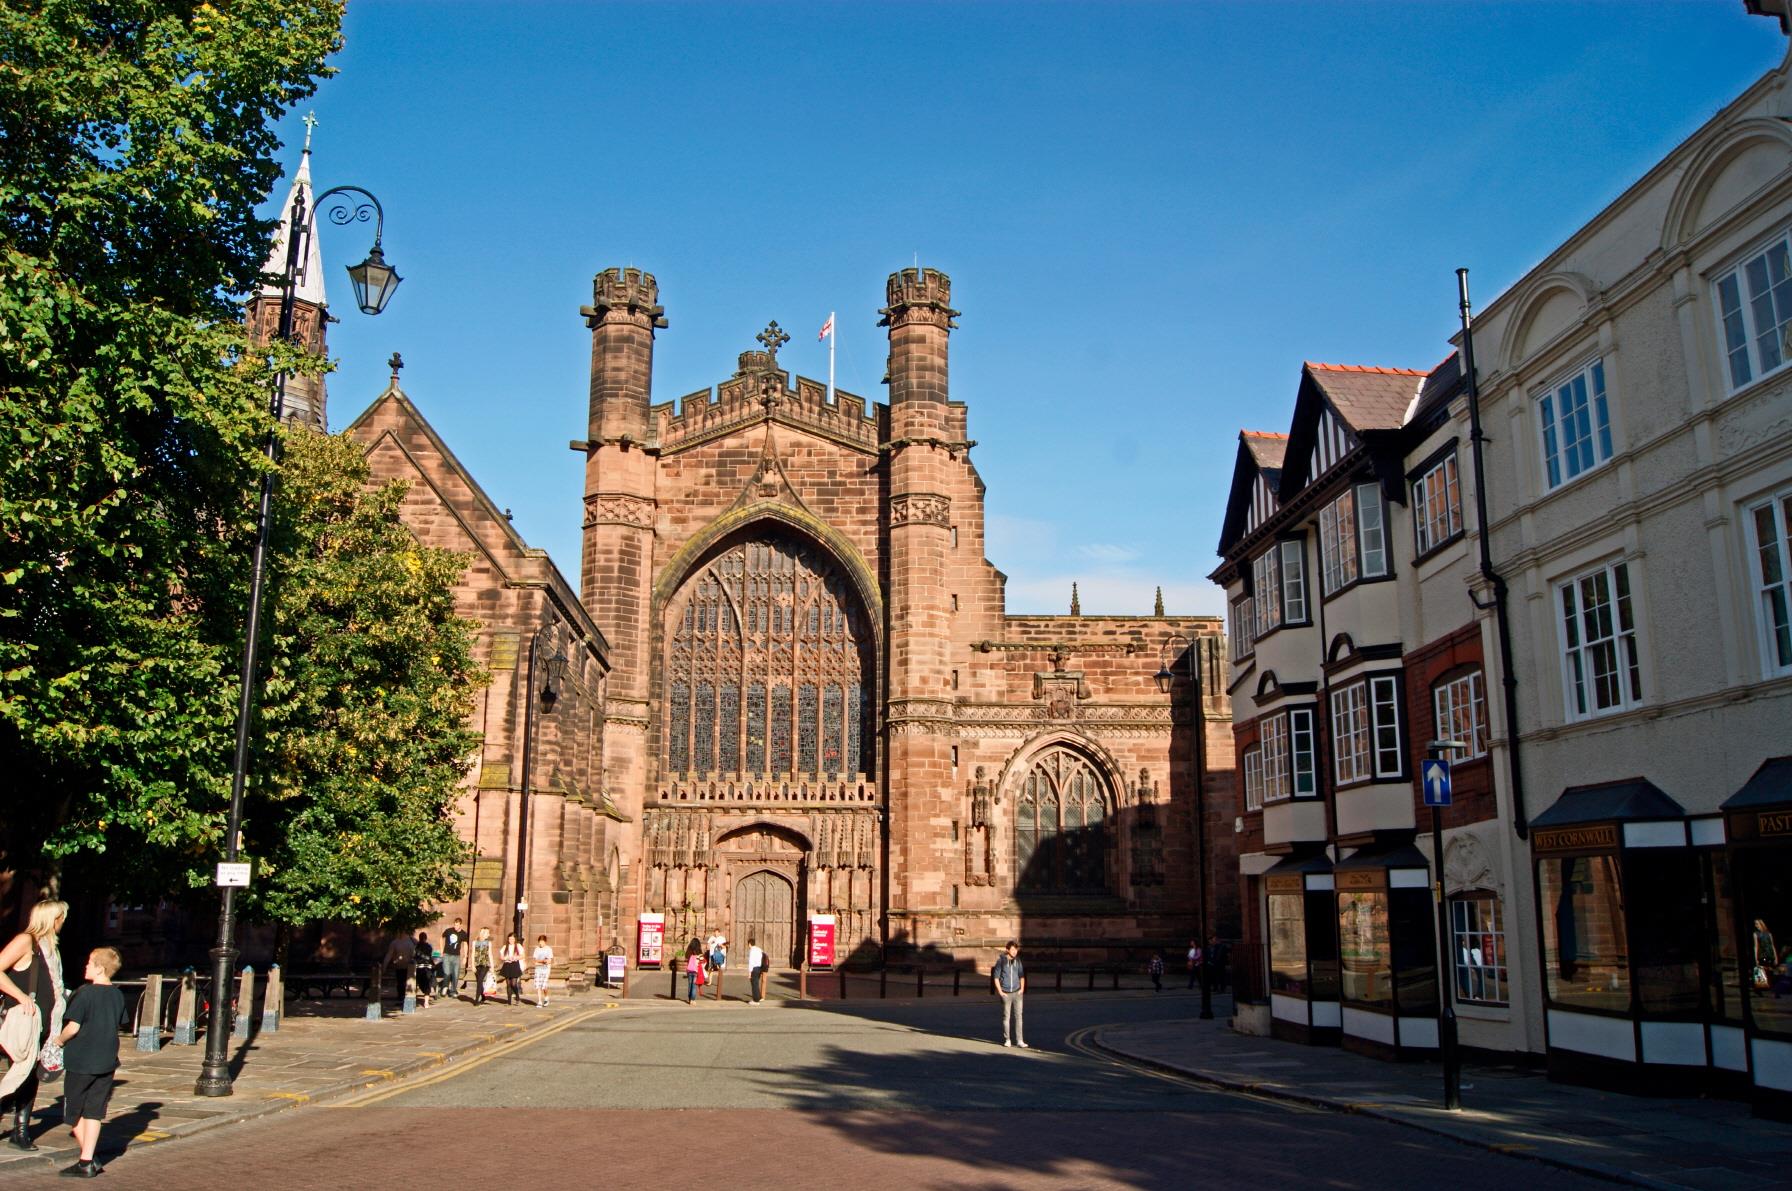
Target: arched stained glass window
775, 624
1060, 826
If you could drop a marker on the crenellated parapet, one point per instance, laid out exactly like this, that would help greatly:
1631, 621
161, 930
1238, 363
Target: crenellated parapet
921, 296
625, 295
755, 393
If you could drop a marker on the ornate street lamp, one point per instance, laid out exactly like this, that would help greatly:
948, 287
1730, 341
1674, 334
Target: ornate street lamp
374, 280
553, 681
1165, 678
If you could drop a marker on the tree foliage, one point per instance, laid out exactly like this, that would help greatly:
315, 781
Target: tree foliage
370, 683
136, 140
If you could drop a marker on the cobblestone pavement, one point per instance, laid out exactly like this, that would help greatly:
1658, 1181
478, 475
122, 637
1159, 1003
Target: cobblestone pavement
901, 1093
1679, 1143
323, 1050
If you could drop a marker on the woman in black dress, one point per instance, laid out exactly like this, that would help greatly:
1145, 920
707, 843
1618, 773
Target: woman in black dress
31, 983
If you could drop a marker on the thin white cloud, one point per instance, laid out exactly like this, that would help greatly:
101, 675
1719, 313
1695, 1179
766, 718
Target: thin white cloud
1108, 552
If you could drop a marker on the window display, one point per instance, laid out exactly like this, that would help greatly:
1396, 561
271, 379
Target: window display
1586, 955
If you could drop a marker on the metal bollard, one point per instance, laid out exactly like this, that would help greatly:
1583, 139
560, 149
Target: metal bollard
1091, 979
273, 1001
375, 987
802, 982
627, 969
883, 983
245, 1003
843, 983
408, 972
956, 973
673, 972
149, 1015
1060, 987
920, 982
186, 1011
1116, 979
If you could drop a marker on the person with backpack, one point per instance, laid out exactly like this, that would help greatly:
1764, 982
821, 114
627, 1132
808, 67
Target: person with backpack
1009, 979
426, 968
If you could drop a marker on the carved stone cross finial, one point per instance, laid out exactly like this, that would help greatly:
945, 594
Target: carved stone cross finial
773, 337
310, 123
395, 363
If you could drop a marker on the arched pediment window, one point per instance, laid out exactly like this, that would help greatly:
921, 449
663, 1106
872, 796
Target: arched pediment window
1061, 826
768, 665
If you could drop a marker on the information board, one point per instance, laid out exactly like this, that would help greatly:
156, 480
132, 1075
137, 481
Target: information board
821, 940
650, 939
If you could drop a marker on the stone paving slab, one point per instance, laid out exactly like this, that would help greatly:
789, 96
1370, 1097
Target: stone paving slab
1643, 1141
322, 1051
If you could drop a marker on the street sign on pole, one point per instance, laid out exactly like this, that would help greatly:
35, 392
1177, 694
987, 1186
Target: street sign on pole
1434, 776
233, 874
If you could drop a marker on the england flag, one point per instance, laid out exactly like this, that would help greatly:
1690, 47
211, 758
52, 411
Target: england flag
827, 329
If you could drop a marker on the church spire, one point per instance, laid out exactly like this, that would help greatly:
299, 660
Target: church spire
305, 395
1076, 603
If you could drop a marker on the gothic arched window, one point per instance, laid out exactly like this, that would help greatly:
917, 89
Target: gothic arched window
1060, 826
768, 666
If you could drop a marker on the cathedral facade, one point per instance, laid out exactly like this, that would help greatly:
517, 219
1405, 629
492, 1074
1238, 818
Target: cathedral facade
816, 702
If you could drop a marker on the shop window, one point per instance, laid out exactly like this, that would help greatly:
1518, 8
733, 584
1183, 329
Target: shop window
1288, 944
1766, 880
1365, 957
1662, 889
1586, 956
1722, 960
1413, 931
1478, 937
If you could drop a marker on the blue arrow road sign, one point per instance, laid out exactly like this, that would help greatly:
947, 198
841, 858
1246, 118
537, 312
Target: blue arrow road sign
1434, 776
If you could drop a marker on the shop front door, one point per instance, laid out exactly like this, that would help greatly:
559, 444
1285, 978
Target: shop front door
764, 909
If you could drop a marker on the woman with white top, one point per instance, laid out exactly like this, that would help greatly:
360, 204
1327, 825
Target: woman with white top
544, 966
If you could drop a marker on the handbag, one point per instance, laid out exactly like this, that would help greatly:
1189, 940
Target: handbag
50, 1059
701, 978
1759, 977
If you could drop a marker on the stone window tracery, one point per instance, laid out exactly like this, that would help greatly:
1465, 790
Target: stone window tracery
1061, 828
780, 621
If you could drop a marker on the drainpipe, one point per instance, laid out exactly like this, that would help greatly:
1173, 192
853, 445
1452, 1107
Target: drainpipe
1501, 613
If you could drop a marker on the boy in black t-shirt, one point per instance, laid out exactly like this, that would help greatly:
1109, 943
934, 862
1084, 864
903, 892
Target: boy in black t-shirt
89, 1041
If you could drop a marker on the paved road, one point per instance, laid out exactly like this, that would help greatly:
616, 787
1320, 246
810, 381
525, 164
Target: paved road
744, 1097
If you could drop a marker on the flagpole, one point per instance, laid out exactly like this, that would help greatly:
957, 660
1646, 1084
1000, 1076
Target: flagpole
833, 335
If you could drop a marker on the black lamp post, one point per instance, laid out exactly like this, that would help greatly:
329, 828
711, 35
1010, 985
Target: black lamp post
1447, 1048
553, 680
374, 280
1165, 678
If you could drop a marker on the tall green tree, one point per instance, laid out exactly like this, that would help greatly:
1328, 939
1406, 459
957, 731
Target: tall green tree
363, 737
136, 140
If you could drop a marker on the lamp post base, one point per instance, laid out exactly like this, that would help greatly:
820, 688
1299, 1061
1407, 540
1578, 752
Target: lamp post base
214, 1078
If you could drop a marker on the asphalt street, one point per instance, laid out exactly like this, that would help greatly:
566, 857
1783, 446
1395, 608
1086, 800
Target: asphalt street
900, 1094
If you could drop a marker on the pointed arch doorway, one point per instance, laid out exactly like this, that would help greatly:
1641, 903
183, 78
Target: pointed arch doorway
764, 909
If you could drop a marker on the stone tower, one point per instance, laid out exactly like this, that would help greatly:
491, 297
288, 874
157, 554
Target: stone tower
617, 569
923, 446
306, 396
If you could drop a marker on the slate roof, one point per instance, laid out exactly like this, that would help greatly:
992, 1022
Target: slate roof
1266, 447
1368, 398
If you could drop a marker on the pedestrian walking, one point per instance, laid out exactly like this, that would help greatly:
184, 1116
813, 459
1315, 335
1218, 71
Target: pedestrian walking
89, 1041
544, 967
1009, 979
401, 959
755, 970
426, 968
693, 971
1194, 961
454, 949
510, 967
1218, 972
31, 976
1156, 968
482, 965
718, 959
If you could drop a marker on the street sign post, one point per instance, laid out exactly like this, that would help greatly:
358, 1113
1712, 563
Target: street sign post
1434, 776
233, 874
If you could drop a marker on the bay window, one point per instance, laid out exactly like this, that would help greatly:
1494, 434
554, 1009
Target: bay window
1367, 739
1436, 505
1352, 538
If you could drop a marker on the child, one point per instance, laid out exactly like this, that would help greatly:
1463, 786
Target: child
89, 1040
544, 964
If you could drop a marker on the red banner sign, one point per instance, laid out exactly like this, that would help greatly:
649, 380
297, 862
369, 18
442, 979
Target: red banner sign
821, 940
650, 939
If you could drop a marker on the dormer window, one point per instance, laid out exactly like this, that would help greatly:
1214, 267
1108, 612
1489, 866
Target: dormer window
1352, 538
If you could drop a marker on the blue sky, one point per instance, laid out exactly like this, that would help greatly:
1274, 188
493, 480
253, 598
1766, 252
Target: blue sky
1151, 213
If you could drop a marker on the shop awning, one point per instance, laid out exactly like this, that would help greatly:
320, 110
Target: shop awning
1386, 856
1771, 786
1628, 800
1316, 862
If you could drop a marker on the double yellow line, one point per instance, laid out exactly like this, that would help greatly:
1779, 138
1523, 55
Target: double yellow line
451, 1071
